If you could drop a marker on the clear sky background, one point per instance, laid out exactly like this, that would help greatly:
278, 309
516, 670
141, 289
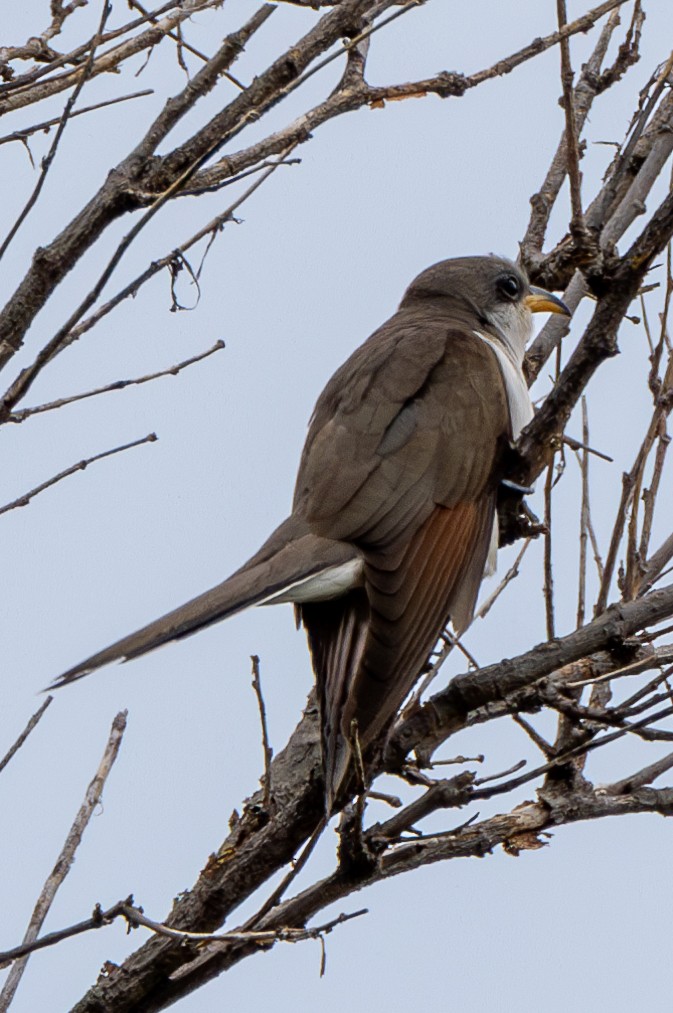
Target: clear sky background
321, 258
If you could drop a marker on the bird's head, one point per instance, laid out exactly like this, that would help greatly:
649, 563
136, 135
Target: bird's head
489, 293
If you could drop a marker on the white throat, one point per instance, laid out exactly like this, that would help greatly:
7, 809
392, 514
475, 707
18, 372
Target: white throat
509, 352
515, 332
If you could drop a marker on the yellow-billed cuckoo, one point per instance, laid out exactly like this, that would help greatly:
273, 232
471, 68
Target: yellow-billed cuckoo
394, 514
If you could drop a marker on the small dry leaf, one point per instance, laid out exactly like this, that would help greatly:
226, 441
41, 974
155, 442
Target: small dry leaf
526, 841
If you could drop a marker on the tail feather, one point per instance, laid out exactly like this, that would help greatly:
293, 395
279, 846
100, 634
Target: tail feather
369, 647
289, 556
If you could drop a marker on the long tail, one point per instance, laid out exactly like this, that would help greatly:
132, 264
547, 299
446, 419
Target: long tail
289, 556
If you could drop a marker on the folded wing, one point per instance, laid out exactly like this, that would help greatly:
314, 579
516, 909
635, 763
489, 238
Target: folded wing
402, 460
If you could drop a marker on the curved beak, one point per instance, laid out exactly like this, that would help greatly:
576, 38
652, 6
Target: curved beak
541, 301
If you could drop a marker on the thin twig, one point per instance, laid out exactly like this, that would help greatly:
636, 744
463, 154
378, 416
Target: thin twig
67, 855
511, 574
274, 899
574, 444
268, 751
649, 687
98, 920
453, 760
655, 565
136, 917
24, 734
65, 116
651, 492
584, 527
635, 667
598, 559
212, 229
503, 773
558, 761
70, 333
545, 747
26, 132
449, 641
25, 413
577, 225
24, 500
548, 569
417, 836
285, 934
629, 501
181, 43
642, 777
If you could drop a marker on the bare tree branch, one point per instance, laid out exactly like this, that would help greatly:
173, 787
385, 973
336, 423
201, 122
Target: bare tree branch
67, 855
23, 135
26, 413
11, 752
65, 116
26, 498
266, 745
122, 191
28, 89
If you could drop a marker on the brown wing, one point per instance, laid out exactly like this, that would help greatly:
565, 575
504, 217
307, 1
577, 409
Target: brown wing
400, 459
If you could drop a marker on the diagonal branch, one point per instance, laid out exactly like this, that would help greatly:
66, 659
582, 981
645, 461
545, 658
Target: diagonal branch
629, 188
447, 711
572, 151
26, 498
65, 116
514, 831
28, 89
26, 413
26, 132
67, 855
11, 752
124, 191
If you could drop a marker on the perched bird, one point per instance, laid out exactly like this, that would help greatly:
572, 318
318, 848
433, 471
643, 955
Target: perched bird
394, 515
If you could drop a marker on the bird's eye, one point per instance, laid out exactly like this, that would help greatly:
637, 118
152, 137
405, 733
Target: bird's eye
509, 286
